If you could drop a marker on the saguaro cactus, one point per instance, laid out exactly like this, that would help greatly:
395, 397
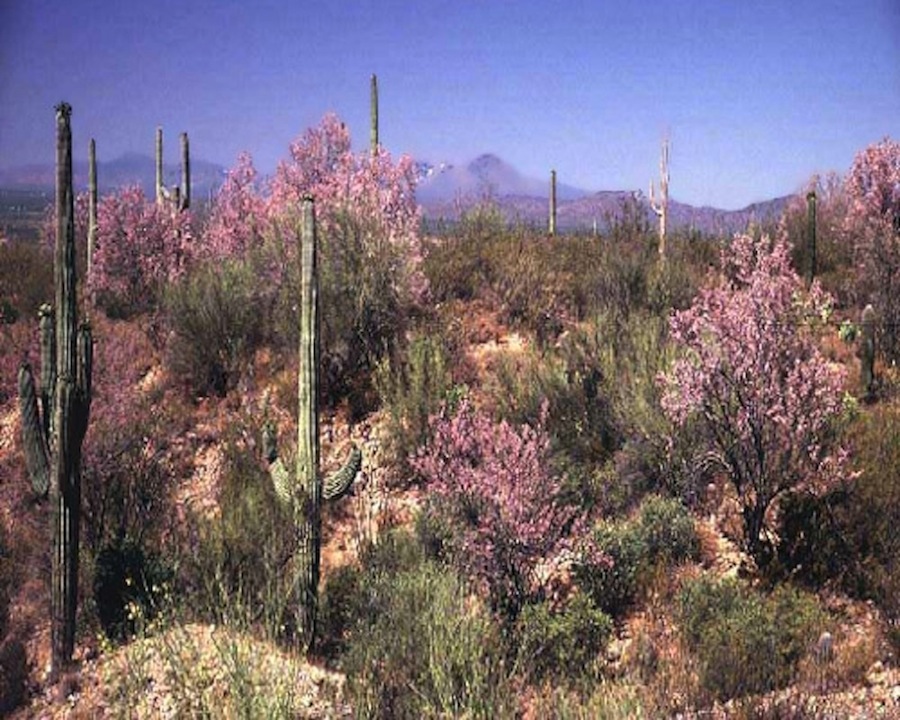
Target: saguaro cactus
867, 352
811, 235
92, 208
373, 133
553, 202
53, 445
184, 201
305, 494
160, 188
661, 208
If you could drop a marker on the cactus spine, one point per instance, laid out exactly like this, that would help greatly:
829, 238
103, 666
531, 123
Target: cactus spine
661, 208
553, 202
867, 353
373, 131
305, 494
160, 194
811, 235
184, 201
53, 444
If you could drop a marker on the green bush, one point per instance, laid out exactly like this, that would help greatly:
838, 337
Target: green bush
128, 584
850, 534
26, 279
215, 317
237, 567
661, 534
746, 643
425, 649
562, 645
412, 389
668, 531
614, 586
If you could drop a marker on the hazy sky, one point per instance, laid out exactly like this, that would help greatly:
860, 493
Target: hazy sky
756, 95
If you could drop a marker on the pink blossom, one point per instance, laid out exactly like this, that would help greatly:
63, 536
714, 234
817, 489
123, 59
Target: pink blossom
493, 482
751, 373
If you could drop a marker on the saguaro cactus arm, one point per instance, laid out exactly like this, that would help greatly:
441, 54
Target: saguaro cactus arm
35, 440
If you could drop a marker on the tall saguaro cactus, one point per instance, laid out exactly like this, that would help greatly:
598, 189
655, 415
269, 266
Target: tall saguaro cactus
185, 197
373, 131
811, 235
305, 494
867, 352
53, 444
553, 202
92, 208
661, 208
160, 193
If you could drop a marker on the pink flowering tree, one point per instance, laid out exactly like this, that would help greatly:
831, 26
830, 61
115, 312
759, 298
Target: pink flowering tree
368, 222
141, 246
237, 217
873, 222
493, 484
751, 373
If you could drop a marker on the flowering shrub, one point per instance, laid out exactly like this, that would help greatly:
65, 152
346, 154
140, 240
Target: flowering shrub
873, 220
140, 247
368, 228
237, 217
506, 509
750, 371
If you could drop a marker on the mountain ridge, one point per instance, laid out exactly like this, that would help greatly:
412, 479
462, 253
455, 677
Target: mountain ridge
444, 191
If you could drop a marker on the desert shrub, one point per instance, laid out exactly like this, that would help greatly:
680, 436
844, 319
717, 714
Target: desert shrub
746, 643
668, 530
125, 486
129, 587
412, 389
570, 381
613, 586
6, 577
424, 649
458, 265
751, 374
660, 534
13, 673
214, 313
873, 225
564, 644
370, 250
237, 567
493, 485
18, 342
26, 279
141, 246
849, 534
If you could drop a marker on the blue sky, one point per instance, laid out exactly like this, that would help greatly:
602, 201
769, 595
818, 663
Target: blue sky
756, 96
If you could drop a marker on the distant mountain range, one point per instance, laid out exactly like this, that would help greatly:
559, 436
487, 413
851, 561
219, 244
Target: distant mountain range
444, 190
129, 169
